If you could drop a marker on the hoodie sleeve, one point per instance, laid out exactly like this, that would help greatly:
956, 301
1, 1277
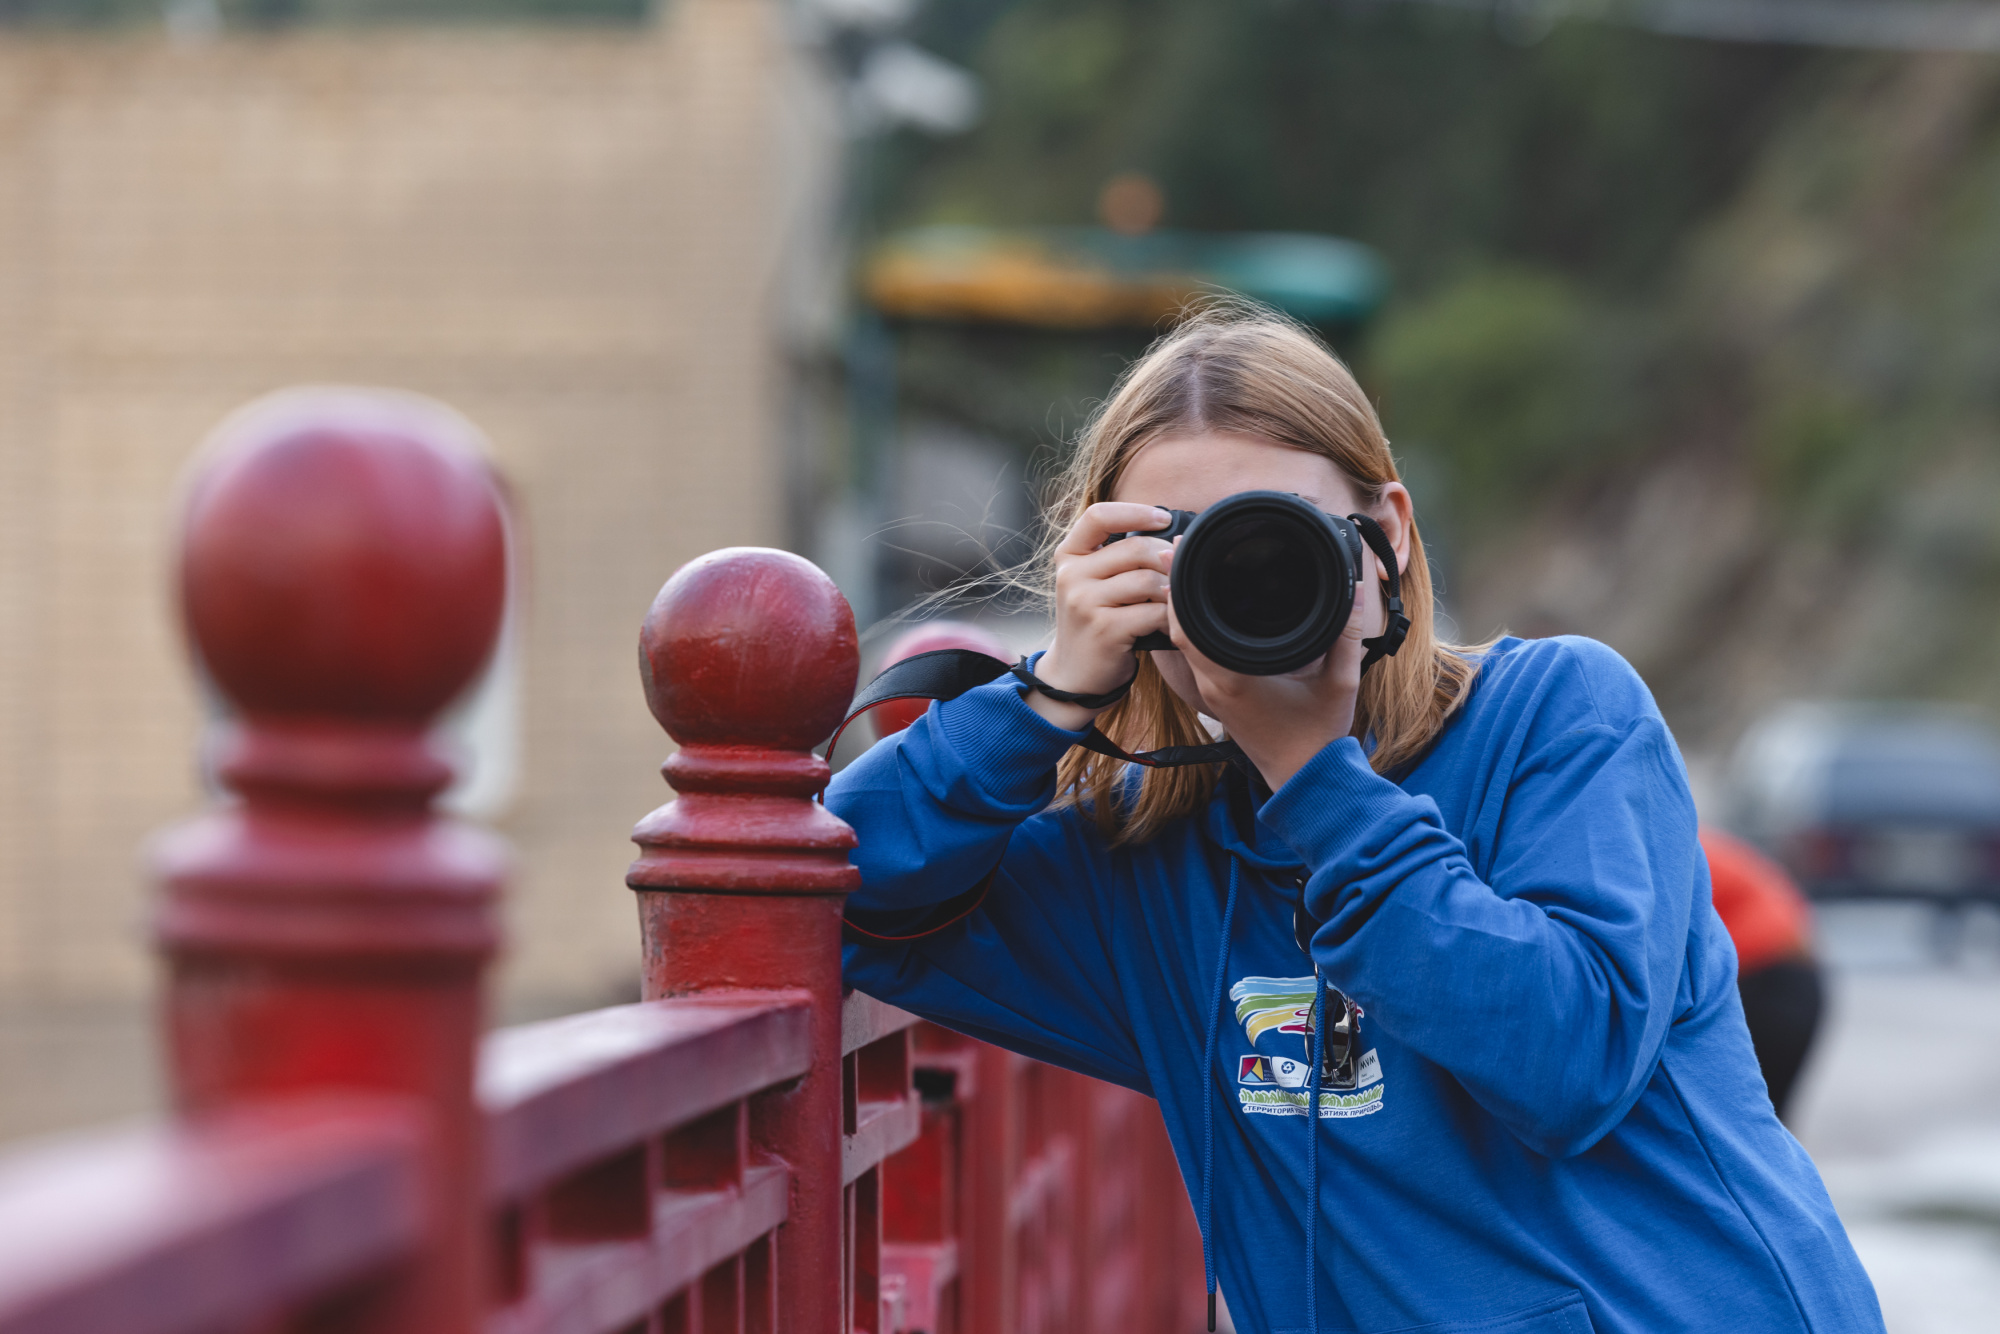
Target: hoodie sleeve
960, 795
1547, 987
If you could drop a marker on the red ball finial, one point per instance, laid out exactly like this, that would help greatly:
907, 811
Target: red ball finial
749, 647
344, 556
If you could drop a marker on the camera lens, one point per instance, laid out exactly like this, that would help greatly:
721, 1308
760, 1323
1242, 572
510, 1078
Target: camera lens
1263, 582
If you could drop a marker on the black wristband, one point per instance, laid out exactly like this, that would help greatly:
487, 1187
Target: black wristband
1026, 676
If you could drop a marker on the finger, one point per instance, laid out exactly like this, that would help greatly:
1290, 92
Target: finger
1135, 619
1135, 553
1098, 522
1133, 586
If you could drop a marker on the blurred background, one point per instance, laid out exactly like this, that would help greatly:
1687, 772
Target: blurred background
1683, 315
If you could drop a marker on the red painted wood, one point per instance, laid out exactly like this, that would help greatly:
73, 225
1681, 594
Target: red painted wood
865, 1020
611, 1286
212, 1224
564, 1093
749, 660
344, 568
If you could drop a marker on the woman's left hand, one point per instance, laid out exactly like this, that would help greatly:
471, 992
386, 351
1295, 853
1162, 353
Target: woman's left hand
1281, 722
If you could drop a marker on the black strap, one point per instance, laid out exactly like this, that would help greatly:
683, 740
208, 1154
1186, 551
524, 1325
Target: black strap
947, 673
1393, 633
942, 673
1166, 757
1025, 674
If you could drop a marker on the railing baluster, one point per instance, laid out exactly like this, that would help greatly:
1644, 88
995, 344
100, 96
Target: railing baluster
343, 572
749, 658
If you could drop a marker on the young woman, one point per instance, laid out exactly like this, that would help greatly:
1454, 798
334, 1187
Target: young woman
1537, 1106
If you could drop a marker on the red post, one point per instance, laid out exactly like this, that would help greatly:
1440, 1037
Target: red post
343, 574
749, 659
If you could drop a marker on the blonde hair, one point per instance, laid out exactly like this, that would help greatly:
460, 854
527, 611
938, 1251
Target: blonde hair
1245, 370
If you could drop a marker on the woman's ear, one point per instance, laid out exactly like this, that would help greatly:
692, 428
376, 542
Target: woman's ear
1398, 518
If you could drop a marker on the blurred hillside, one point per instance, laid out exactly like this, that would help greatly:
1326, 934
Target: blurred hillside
1783, 473
1827, 407
1693, 347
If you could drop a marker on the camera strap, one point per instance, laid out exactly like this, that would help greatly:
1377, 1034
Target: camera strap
947, 673
1397, 627
942, 673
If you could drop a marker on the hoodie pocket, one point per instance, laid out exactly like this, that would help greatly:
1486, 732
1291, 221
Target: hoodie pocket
1564, 1315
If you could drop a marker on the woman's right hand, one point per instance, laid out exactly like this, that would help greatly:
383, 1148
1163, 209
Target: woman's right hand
1106, 597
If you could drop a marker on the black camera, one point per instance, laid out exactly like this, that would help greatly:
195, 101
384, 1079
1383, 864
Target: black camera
1263, 583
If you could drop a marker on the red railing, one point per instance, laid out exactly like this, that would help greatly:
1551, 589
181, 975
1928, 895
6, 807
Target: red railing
744, 1151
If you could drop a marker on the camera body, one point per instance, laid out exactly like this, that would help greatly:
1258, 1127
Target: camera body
1263, 583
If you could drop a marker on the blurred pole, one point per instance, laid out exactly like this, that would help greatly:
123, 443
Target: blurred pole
884, 83
870, 357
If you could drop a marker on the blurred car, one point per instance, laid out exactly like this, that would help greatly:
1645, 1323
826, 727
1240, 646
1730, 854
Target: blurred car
1881, 801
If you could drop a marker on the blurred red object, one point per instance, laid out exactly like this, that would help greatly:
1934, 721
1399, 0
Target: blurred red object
1766, 915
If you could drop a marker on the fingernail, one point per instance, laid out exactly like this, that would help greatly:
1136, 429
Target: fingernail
1165, 517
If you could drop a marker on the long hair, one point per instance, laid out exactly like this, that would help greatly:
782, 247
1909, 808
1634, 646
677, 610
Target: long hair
1247, 371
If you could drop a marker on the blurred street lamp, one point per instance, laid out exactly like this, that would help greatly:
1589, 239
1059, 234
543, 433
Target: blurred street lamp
887, 83
901, 84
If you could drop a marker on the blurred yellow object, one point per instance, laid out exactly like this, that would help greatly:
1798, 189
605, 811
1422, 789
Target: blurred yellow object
1019, 282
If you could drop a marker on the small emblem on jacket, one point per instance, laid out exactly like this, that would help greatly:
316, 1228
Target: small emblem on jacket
1275, 1012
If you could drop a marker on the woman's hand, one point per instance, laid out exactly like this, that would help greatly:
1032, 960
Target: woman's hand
1106, 597
1283, 721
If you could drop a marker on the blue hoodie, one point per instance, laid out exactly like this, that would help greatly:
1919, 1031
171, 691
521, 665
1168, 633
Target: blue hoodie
1554, 1120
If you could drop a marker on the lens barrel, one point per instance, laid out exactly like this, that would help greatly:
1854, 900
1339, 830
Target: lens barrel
1263, 583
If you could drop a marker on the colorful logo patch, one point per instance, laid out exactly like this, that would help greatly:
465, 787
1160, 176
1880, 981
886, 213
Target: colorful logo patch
1273, 1072
1267, 1004
1292, 1102
1271, 1084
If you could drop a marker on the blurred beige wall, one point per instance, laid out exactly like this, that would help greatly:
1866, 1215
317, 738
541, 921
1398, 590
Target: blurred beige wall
572, 237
